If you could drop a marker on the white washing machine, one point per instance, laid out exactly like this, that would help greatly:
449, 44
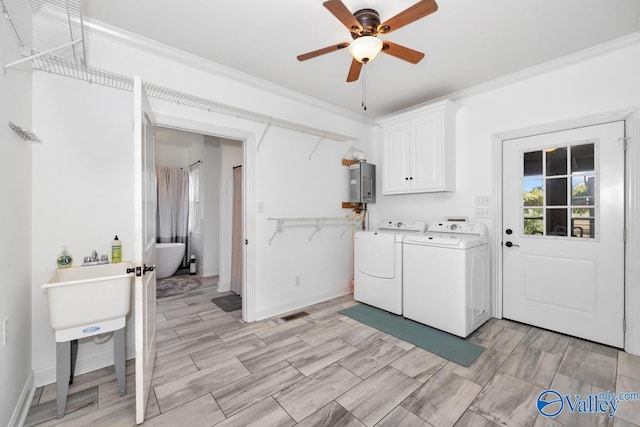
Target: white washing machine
446, 277
378, 264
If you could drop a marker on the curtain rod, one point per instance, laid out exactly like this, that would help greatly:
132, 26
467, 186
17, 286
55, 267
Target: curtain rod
193, 164
236, 167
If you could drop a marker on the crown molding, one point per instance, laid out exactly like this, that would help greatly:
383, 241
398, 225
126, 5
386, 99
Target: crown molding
130, 39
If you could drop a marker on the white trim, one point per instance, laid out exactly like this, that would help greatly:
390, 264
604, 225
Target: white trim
631, 117
23, 405
130, 39
248, 180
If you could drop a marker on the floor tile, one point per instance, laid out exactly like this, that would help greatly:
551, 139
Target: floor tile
605, 350
629, 365
210, 357
321, 356
419, 364
532, 365
372, 358
628, 410
285, 330
189, 387
508, 401
308, 395
256, 387
574, 387
593, 368
325, 332
266, 413
548, 341
443, 398
332, 415
402, 417
484, 367
270, 354
471, 419
370, 407
201, 412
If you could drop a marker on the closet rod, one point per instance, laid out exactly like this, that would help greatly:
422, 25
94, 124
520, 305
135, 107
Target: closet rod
193, 164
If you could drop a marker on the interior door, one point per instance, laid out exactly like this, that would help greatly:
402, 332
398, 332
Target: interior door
563, 236
144, 242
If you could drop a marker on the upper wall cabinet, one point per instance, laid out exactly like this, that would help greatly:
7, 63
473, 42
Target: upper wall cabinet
419, 150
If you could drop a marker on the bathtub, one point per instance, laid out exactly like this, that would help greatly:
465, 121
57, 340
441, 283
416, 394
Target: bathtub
168, 258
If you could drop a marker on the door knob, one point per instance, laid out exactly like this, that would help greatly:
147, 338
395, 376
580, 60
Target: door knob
509, 231
509, 244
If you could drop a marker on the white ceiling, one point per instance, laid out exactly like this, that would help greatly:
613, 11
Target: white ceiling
466, 42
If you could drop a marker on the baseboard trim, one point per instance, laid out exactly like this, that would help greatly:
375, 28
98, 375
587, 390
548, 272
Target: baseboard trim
301, 303
21, 410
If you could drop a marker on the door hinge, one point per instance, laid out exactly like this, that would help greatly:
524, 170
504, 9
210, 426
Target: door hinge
625, 142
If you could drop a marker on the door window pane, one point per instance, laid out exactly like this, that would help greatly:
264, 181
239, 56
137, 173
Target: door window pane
533, 221
533, 163
532, 193
556, 161
582, 190
556, 192
583, 222
556, 222
583, 158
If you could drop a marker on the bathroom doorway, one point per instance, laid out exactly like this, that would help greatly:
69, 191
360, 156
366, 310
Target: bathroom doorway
210, 162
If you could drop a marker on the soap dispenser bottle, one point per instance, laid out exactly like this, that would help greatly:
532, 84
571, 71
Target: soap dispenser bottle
116, 250
64, 259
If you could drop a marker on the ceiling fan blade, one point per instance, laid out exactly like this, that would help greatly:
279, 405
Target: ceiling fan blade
344, 15
402, 52
407, 16
322, 51
354, 71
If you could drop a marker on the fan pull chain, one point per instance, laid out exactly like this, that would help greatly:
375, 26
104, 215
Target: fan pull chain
364, 86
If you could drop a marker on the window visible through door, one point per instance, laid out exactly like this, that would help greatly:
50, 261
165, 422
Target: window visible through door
560, 191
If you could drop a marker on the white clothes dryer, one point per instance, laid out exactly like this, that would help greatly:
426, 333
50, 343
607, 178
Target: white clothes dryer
446, 277
378, 264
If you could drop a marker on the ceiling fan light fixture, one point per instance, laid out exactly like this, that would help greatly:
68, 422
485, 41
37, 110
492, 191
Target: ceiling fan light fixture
365, 48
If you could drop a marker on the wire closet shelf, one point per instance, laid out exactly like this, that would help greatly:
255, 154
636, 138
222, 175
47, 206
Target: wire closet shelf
317, 222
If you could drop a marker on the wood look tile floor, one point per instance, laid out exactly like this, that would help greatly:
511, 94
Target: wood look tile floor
325, 369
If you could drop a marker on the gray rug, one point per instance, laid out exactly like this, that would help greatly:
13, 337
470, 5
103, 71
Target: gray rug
176, 285
228, 302
433, 340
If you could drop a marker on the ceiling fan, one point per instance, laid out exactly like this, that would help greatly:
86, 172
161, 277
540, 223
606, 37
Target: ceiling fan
365, 26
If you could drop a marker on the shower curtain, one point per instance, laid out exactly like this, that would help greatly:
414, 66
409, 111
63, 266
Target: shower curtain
173, 207
236, 232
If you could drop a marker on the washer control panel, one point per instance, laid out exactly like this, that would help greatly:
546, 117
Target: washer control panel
404, 225
458, 227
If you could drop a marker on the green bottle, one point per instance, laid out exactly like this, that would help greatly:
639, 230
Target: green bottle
116, 250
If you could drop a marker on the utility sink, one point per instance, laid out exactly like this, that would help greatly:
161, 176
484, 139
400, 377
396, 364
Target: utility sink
86, 301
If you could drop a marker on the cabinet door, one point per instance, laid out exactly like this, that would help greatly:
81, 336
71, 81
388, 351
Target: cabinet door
426, 162
395, 171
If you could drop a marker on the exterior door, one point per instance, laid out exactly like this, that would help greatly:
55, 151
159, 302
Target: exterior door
145, 248
563, 235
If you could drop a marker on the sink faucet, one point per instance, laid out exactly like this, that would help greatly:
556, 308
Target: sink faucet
94, 256
95, 260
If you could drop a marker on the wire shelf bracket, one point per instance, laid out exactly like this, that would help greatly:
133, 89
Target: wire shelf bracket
317, 222
25, 134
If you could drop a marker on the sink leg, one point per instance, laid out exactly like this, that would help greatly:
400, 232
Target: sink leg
74, 357
63, 371
119, 360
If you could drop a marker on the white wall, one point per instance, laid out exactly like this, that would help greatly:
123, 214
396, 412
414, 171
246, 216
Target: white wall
606, 83
82, 196
15, 223
210, 199
230, 156
172, 156
83, 174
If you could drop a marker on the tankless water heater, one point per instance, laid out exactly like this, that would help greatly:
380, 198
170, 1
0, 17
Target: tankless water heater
362, 178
